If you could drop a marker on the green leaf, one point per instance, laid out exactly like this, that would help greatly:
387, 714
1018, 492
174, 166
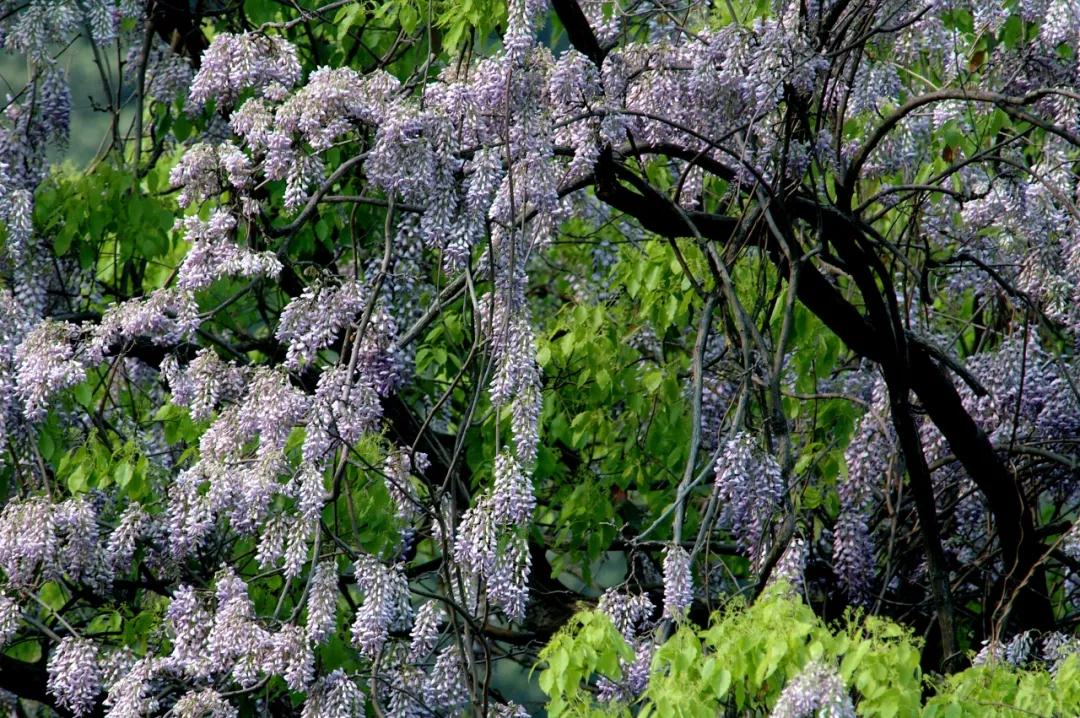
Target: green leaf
653, 379
62, 240
25, 651
78, 481
123, 474
84, 394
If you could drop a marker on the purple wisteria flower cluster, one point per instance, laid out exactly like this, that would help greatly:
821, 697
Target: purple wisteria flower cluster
633, 618
816, 691
750, 485
868, 460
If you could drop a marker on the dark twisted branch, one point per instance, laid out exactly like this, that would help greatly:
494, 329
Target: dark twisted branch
1021, 549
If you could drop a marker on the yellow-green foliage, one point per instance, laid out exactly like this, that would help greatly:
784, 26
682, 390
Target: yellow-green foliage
739, 665
1000, 691
455, 20
588, 646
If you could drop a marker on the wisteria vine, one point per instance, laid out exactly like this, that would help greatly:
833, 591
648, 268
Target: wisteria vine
300, 515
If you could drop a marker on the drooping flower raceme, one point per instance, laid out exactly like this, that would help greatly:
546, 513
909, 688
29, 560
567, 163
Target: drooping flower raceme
750, 488
74, 675
236, 644
632, 616
311, 321
205, 383
165, 317
386, 595
425, 630
214, 254
678, 582
868, 461
46, 364
322, 602
489, 542
445, 688
27, 539
816, 692
234, 63
629, 613
189, 622
791, 566
206, 170
512, 495
291, 656
334, 696
205, 703
10, 615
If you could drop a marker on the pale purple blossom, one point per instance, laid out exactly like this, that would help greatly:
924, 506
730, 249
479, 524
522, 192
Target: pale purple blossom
168, 74
522, 22
425, 631
271, 546
234, 63
678, 582
16, 212
313, 320
205, 171
269, 410
334, 696
868, 462
322, 601
750, 486
253, 121
816, 692
312, 493
28, 540
132, 696
190, 622
386, 592
508, 582
512, 499
476, 543
397, 471
205, 383
39, 26
630, 614
446, 689
334, 102
47, 363
74, 675
342, 411
236, 643
80, 552
405, 687
1061, 23
790, 567
114, 665
300, 531
214, 254
10, 617
291, 656
204, 703
189, 516
165, 317
635, 673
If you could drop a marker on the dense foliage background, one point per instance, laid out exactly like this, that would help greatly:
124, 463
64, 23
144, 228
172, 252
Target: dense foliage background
582, 357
